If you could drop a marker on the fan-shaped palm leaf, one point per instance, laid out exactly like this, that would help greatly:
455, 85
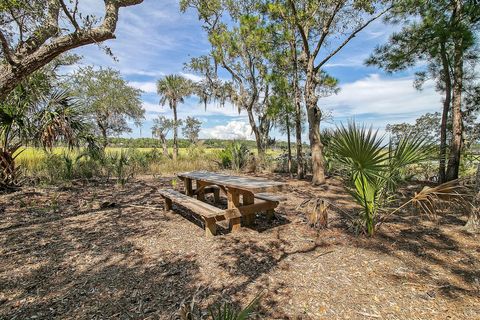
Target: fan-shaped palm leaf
360, 150
59, 118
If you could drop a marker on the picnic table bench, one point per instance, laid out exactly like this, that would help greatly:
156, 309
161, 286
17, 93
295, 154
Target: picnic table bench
246, 197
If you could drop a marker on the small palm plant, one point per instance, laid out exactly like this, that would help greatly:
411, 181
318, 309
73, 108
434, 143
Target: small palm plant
239, 155
374, 169
224, 311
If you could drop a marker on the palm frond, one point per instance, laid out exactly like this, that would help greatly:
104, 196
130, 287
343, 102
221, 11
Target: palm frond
361, 150
431, 200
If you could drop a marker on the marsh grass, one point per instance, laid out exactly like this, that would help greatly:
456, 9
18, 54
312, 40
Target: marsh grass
121, 164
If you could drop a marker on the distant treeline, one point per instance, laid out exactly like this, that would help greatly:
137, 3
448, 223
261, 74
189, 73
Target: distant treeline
183, 143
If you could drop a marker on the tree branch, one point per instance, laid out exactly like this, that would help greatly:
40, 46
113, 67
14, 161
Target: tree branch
43, 32
301, 30
350, 37
326, 27
69, 16
6, 50
35, 52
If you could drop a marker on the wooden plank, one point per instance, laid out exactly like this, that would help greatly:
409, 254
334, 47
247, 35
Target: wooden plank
168, 204
243, 183
200, 191
259, 206
201, 208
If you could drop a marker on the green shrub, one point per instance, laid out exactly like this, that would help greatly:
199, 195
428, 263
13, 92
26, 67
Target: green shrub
225, 157
52, 169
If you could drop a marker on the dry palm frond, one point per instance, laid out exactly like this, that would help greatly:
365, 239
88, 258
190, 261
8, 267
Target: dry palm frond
430, 200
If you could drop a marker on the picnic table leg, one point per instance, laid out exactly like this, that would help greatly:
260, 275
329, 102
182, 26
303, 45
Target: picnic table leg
168, 204
188, 187
210, 227
270, 214
248, 198
200, 192
216, 195
233, 198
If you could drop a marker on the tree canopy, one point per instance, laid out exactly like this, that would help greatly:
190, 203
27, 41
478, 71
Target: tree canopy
109, 100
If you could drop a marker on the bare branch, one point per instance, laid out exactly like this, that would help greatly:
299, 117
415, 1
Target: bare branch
350, 37
6, 49
69, 16
326, 27
301, 30
43, 33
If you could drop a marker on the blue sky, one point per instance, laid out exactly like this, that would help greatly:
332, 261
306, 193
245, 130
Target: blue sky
155, 39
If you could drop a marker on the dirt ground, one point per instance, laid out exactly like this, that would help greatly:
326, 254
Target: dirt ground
100, 251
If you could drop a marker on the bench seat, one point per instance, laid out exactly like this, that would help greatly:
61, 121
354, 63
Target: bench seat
209, 213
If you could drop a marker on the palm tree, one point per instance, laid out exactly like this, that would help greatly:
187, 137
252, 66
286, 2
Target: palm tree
174, 89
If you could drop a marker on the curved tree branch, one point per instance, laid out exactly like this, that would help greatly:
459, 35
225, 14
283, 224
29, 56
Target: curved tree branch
43, 46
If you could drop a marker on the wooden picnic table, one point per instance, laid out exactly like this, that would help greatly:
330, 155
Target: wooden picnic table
251, 190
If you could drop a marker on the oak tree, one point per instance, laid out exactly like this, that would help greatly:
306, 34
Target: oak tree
34, 32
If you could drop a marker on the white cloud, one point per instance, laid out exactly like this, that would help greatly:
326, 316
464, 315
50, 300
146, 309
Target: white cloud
232, 130
386, 98
154, 107
351, 61
191, 76
148, 87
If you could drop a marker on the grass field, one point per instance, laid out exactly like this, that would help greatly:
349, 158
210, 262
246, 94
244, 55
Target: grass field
63, 163
37, 154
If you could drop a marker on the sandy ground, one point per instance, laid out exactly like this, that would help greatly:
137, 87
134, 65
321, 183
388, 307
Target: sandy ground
99, 251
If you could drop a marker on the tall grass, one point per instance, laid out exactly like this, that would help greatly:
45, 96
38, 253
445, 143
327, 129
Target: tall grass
62, 164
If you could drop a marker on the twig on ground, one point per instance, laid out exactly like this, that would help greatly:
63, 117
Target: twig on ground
368, 314
324, 253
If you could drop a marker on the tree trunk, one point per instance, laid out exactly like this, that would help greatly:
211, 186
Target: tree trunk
314, 115
103, 131
175, 131
446, 109
298, 114
473, 223
289, 147
164, 145
457, 129
259, 136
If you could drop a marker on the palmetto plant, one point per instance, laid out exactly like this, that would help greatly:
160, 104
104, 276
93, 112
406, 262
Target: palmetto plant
229, 312
374, 169
58, 116
44, 117
224, 311
14, 125
239, 155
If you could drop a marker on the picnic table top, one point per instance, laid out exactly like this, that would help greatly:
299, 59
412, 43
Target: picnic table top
251, 184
